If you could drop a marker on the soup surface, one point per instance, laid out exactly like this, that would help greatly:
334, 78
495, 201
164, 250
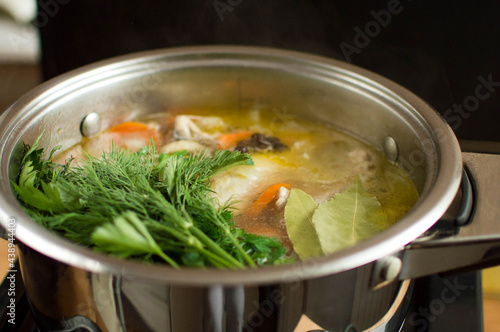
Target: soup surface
297, 156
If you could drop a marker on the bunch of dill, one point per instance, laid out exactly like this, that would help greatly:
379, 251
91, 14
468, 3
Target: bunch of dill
143, 205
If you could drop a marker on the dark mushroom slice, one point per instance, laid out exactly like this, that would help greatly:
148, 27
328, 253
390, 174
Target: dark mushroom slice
260, 142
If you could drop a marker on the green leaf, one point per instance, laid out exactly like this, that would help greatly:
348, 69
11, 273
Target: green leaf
33, 171
347, 218
49, 201
263, 250
127, 236
299, 212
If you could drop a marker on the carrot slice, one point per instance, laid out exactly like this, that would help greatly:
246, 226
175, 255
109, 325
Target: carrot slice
267, 197
228, 141
129, 127
131, 130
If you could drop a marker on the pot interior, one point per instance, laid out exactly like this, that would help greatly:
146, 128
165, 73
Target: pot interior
289, 85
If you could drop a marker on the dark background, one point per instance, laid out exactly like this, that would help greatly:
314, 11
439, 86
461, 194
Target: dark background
437, 49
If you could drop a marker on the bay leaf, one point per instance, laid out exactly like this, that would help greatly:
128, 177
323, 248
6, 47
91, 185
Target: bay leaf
347, 218
299, 211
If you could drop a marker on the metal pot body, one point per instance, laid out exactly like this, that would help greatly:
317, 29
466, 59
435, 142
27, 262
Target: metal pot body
63, 297
69, 285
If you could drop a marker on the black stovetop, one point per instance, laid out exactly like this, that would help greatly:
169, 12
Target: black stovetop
452, 303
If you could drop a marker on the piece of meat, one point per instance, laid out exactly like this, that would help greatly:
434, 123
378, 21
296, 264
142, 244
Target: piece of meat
363, 163
188, 145
189, 127
283, 195
238, 184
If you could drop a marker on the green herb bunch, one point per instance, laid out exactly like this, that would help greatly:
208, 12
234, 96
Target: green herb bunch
143, 205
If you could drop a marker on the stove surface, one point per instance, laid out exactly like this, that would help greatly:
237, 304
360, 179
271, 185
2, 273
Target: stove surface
452, 303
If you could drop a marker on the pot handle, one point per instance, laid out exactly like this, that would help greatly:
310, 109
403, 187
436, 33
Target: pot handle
470, 240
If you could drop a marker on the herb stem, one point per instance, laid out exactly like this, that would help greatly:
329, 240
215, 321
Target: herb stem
214, 247
216, 260
235, 241
167, 259
240, 249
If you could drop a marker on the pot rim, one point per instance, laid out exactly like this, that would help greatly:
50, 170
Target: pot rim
440, 191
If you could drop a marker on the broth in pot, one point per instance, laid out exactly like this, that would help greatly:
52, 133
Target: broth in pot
308, 185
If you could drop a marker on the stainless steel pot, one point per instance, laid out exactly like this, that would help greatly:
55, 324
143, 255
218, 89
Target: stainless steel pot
69, 286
